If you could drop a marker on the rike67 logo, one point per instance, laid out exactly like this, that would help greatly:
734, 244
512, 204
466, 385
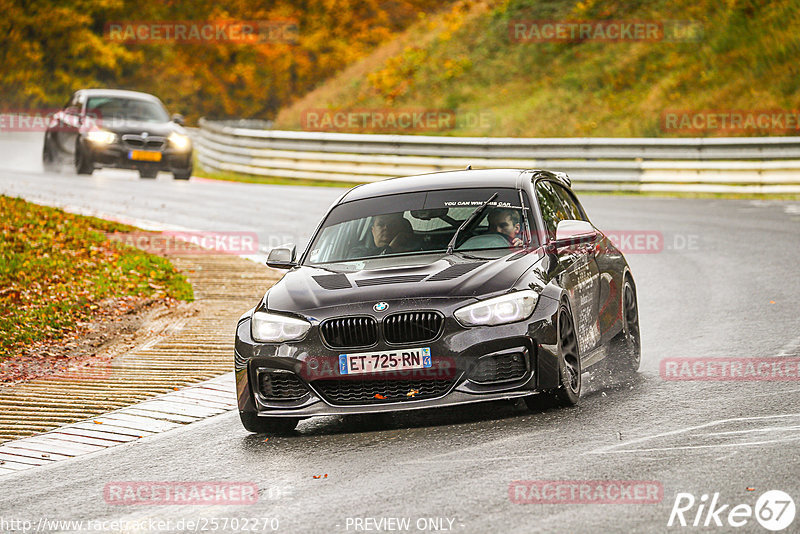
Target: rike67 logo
774, 510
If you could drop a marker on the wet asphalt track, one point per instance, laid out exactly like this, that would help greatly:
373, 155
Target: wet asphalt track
708, 293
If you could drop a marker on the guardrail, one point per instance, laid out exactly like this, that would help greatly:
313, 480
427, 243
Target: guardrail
707, 165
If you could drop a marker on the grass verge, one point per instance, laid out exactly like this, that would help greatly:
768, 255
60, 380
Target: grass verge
57, 269
270, 180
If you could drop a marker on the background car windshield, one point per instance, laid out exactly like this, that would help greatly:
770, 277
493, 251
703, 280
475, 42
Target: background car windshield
418, 223
133, 109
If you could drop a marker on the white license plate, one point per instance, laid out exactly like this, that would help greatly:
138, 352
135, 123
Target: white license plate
382, 361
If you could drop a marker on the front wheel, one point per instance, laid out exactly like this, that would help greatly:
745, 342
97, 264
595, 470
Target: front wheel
83, 163
182, 175
568, 393
267, 425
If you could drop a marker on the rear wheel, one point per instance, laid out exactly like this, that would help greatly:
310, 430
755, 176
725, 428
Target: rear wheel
182, 175
49, 160
626, 348
568, 392
148, 173
268, 425
83, 163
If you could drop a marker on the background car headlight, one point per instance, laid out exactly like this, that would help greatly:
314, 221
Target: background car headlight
179, 141
508, 308
101, 137
273, 328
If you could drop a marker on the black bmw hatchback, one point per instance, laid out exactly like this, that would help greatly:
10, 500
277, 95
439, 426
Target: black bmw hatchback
121, 129
436, 290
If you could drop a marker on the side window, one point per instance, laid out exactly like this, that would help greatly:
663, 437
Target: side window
570, 203
551, 205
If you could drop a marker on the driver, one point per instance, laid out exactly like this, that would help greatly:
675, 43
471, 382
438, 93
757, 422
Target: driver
506, 222
391, 233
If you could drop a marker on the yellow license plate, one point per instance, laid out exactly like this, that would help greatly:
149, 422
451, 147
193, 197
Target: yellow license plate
144, 155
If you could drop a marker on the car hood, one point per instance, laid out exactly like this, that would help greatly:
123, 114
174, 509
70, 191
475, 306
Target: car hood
305, 288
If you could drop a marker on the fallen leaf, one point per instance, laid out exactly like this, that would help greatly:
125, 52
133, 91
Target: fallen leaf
379, 396
412, 393
98, 422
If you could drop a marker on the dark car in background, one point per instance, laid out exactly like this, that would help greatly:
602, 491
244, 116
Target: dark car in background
436, 290
121, 129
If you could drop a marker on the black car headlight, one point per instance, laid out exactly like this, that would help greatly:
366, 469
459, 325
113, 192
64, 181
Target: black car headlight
273, 328
504, 309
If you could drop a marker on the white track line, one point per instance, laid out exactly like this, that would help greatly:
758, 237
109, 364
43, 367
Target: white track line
625, 447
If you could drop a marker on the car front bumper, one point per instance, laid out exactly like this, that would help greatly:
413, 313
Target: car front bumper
118, 156
458, 354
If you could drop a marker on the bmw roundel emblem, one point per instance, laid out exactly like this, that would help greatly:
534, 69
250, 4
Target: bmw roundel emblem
380, 306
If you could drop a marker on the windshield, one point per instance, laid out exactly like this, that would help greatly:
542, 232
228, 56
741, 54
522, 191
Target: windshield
419, 223
121, 109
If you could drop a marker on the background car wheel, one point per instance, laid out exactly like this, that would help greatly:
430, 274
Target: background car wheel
268, 425
83, 164
148, 173
626, 348
568, 393
182, 175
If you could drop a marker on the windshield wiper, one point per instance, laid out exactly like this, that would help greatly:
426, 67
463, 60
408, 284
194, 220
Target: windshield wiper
468, 221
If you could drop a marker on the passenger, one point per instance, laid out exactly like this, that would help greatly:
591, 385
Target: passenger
506, 222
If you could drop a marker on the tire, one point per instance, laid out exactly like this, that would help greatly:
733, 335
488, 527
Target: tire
49, 160
148, 173
83, 164
267, 425
626, 347
568, 393
182, 175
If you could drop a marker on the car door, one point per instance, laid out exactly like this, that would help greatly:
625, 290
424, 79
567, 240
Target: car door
579, 272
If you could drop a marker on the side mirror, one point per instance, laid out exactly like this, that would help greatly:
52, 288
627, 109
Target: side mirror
569, 232
72, 110
177, 118
282, 257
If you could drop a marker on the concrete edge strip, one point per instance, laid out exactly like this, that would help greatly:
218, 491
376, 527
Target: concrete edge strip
154, 416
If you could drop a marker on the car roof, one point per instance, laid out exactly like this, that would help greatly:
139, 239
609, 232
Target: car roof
123, 93
463, 179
